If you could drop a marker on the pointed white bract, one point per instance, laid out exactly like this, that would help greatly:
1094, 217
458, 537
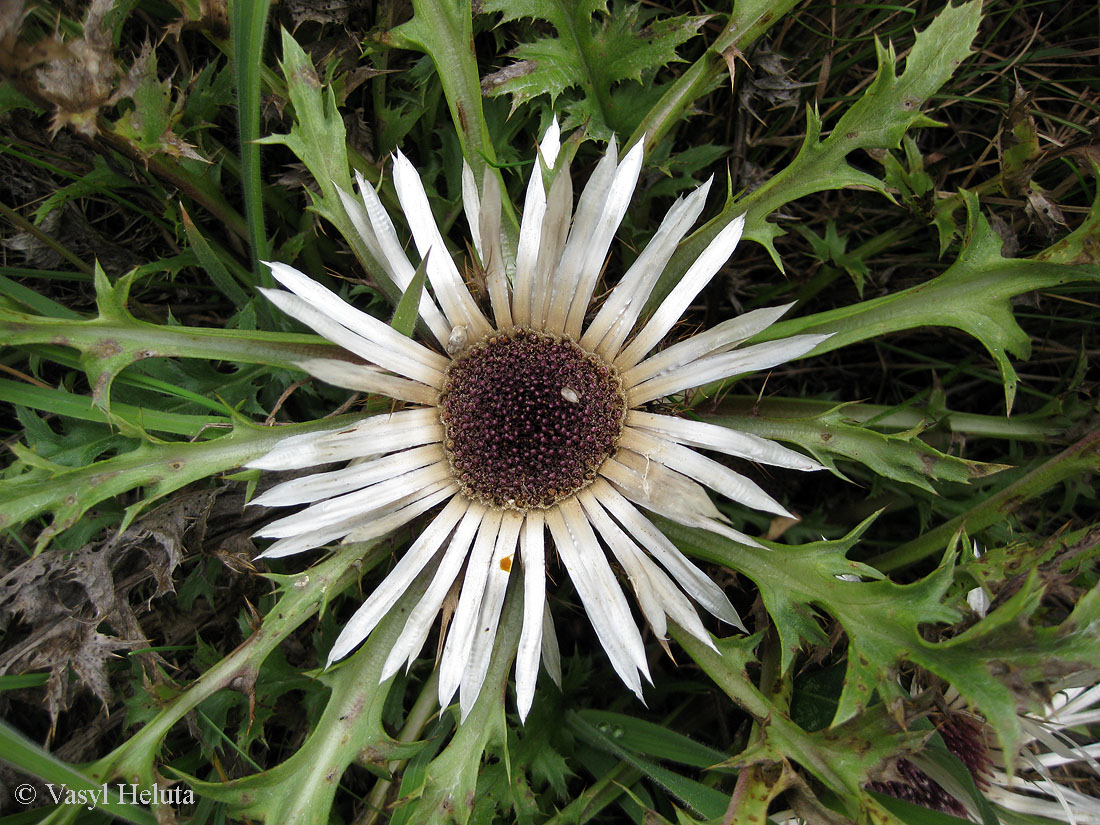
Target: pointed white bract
534, 608
422, 618
1056, 773
616, 318
607, 222
392, 254
407, 568
600, 594
485, 631
673, 306
460, 637
406, 463
530, 230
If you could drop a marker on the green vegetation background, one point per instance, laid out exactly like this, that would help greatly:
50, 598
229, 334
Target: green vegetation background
920, 178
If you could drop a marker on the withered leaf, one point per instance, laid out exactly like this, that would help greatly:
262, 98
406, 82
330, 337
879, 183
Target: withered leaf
77, 75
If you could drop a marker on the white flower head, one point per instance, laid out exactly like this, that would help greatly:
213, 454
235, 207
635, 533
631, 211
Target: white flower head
1055, 774
534, 419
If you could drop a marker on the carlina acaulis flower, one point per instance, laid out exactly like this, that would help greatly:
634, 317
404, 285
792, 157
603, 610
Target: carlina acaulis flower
1056, 774
530, 422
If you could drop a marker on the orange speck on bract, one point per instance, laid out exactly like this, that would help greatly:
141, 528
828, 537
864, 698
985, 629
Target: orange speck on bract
506, 564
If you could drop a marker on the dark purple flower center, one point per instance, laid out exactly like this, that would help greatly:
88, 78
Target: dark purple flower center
966, 740
529, 418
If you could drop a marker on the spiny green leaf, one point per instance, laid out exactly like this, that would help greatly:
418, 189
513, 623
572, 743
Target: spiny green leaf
887, 109
1079, 460
444, 31
451, 779
299, 597
111, 298
832, 249
148, 124
301, 789
76, 443
107, 359
1066, 554
593, 55
117, 339
974, 295
911, 181
841, 757
831, 436
992, 665
318, 137
68, 493
1080, 246
892, 104
415, 773
536, 744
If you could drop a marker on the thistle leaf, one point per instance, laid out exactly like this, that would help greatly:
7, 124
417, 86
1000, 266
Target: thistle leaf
831, 436
161, 468
319, 139
974, 295
889, 107
594, 51
992, 664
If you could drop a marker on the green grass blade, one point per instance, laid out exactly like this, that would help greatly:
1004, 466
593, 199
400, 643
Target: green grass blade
651, 739
705, 800
404, 317
31, 759
18, 681
217, 270
36, 301
248, 20
81, 407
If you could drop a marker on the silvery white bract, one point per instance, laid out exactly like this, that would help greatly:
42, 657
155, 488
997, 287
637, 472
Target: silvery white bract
527, 420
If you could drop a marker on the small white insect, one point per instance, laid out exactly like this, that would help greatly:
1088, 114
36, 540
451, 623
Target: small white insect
457, 342
570, 395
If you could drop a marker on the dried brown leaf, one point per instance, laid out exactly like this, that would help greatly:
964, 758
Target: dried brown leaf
321, 11
68, 600
213, 16
77, 76
1042, 211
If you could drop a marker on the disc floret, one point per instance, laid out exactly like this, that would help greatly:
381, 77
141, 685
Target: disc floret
529, 418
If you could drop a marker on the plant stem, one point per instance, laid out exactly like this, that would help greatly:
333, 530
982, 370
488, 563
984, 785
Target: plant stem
28, 227
425, 707
144, 340
1036, 427
748, 21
